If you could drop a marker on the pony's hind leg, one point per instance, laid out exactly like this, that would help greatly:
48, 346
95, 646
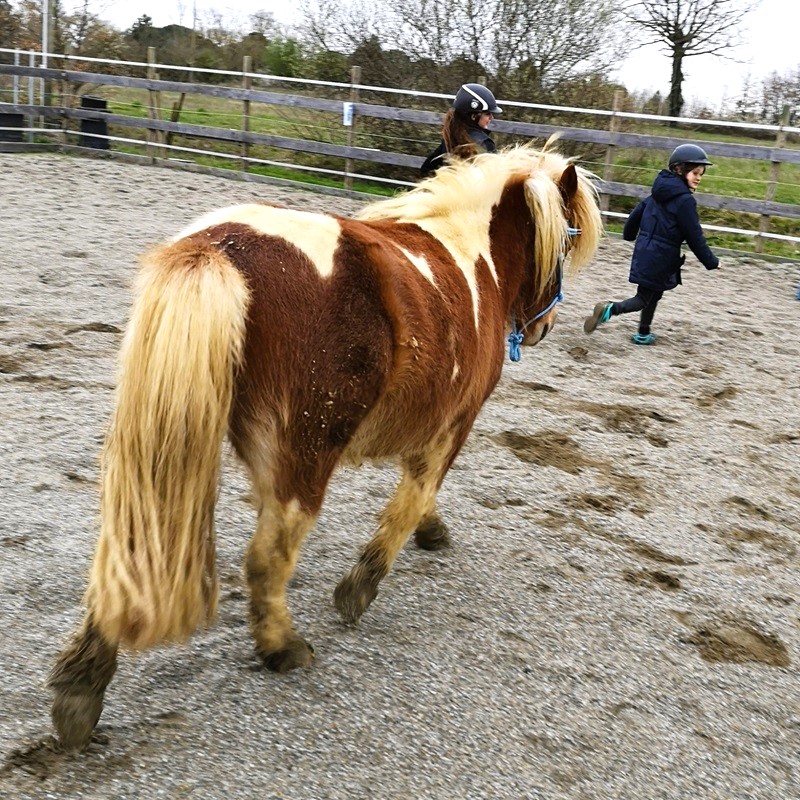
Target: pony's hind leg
271, 560
432, 533
79, 680
411, 507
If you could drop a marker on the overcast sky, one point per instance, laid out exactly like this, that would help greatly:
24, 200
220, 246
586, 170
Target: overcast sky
771, 45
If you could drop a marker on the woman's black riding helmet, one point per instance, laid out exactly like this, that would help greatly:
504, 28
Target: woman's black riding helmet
472, 98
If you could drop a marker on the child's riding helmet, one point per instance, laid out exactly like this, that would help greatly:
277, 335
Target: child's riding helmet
688, 154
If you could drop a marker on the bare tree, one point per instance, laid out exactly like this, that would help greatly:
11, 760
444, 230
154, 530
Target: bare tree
685, 28
550, 42
341, 26
539, 43
778, 91
9, 24
264, 23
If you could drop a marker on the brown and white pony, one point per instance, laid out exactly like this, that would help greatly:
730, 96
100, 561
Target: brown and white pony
309, 339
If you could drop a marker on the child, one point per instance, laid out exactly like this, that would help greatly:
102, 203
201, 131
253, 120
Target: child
465, 127
660, 224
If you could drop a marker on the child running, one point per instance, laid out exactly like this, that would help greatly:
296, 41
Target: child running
659, 225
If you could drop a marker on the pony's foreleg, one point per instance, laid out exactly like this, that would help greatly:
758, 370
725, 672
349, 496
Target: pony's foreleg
78, 680
413, 501
271, 560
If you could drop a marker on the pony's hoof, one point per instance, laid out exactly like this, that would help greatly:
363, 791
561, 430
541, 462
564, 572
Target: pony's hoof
352, 598
74, 717
297, 653
432, 535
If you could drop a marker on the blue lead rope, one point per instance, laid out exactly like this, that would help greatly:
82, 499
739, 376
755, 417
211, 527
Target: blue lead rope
514, 341
516, 336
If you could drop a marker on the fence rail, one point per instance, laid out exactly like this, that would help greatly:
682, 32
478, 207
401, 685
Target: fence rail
159, 131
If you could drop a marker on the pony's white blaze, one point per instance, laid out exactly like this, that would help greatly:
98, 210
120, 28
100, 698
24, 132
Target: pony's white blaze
294, 226
421, 263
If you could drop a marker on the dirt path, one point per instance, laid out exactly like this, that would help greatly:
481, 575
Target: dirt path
620, 614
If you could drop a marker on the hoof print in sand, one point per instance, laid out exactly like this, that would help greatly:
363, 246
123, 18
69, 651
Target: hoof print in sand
41, 759
10, 365
94, 327
655, 579
709, 399
628, 419
608, 505
45, 346
545, 449
738, 642
748, 507
534, 386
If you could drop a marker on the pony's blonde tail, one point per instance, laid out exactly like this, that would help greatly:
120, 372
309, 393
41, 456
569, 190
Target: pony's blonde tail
153, 578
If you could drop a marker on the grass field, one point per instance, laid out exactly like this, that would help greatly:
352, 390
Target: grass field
728, 177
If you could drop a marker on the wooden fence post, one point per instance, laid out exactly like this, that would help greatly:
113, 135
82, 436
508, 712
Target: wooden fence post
174, 116
31, 94
613, 125
774, 169
247, 83
154, 105
355, 79
48, 19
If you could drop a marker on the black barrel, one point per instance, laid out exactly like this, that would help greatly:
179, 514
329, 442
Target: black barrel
98, 127
14, 121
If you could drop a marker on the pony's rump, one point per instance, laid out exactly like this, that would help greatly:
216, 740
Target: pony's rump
153, 577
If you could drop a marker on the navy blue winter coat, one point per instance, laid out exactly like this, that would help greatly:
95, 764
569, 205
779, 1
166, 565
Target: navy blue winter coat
660, 224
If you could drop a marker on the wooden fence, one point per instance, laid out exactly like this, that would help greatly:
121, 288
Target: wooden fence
158, 132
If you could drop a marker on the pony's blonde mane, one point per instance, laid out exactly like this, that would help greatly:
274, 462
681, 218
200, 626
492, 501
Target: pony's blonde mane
465, 191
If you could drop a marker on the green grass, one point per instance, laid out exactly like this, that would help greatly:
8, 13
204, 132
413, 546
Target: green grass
727, 177
736, 177
730, 177
217, 112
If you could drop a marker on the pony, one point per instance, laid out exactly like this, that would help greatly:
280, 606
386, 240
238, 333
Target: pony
310, 340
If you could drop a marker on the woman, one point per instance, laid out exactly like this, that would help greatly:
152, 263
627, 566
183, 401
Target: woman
464, 131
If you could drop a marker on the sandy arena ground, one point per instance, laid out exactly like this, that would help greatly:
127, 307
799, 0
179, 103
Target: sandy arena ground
619, 616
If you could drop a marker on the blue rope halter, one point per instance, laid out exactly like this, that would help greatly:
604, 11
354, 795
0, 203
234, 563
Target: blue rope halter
516, 337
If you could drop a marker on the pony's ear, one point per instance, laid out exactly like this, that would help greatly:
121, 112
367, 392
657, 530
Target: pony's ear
568, 184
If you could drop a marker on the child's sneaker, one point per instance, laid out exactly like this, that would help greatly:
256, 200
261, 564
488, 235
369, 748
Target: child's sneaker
643, 338
601, 314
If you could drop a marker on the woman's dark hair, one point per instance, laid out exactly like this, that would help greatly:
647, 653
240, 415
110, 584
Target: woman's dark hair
455, 132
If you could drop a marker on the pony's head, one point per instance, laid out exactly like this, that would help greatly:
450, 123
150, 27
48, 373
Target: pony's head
562, 201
